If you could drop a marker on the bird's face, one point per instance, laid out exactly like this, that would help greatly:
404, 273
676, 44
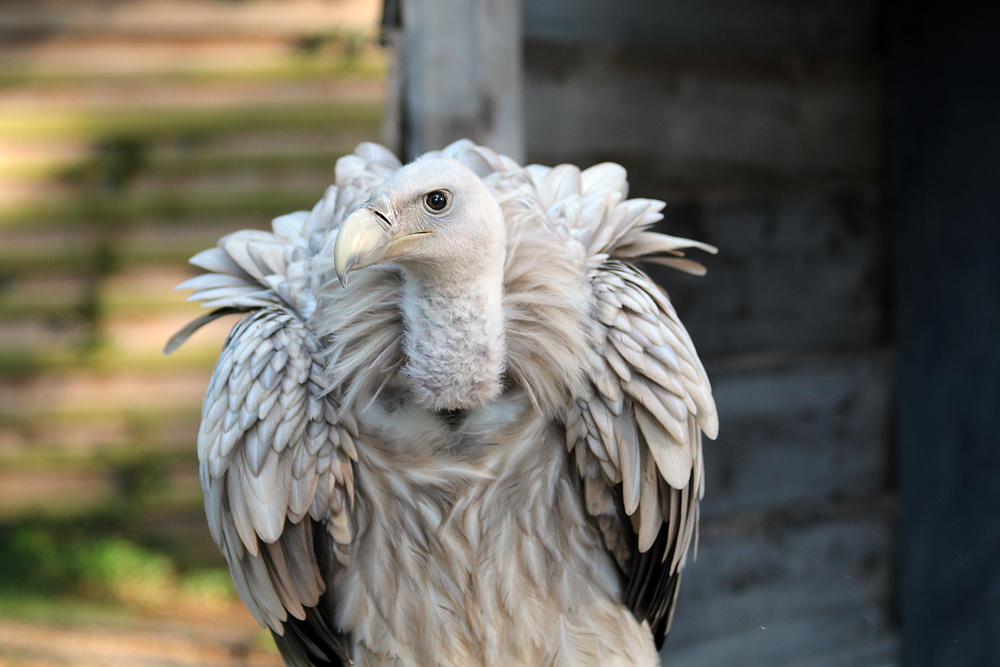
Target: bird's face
434, 217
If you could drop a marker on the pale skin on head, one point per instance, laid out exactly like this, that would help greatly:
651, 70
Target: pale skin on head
437, 220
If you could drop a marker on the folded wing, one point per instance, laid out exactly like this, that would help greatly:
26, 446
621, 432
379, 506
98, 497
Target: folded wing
635, 426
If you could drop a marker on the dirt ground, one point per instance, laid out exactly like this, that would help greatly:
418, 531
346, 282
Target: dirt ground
231, 639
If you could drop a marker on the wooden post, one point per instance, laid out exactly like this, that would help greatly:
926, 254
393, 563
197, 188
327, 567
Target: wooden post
944, 178
461, 75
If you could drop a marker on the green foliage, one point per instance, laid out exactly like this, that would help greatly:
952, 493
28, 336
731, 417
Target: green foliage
116, 161
53, 555
101, 210
93, 557
210, 585
193, 125
121, 570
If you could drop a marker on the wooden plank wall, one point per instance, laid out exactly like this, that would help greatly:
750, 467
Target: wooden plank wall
133, 135
759, 123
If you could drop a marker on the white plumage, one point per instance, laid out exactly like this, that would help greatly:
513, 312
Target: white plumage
482, 446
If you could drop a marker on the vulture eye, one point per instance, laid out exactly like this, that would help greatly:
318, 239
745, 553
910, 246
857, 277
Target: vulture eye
437, 200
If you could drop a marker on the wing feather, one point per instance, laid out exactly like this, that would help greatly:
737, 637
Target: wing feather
668, 404
261, 474
647, 400
276, 451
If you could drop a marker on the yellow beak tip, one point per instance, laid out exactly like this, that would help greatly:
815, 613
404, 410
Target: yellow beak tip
361, 241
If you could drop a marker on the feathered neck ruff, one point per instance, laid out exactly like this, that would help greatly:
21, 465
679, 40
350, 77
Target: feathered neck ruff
537, 344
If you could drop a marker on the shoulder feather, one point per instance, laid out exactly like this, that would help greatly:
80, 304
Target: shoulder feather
276, 449
635, 427
273, 456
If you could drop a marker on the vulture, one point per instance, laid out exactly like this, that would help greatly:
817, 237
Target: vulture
456, 424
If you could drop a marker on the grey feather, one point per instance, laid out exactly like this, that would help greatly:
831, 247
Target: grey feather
185, 332
467, 538
218, 261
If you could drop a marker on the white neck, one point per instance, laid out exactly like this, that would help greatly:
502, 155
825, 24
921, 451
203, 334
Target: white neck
453, 338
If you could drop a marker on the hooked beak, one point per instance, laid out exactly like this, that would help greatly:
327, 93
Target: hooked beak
365, 238
362, 240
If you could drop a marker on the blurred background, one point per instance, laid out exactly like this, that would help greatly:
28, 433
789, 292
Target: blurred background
844, 156
132, 135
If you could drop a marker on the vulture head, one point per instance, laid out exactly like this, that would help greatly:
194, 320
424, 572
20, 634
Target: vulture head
435, 218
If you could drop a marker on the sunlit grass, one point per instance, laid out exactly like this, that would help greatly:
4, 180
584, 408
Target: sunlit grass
37, 607
92, 559
195, 123
320, 56
148, 455
113, 212
27, 363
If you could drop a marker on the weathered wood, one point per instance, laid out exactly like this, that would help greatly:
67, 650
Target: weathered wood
813, 26
462, 75
813, 593
945, 193
722, 121
795, 432
794, 272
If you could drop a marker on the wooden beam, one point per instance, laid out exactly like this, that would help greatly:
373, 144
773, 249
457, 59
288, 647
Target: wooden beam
944, 188
461, 75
